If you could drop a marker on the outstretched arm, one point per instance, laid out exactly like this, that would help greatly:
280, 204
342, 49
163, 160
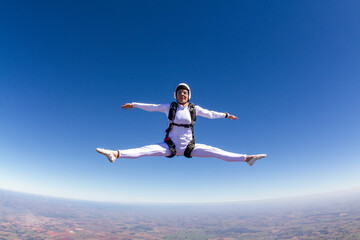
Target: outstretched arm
147, 107
212, 114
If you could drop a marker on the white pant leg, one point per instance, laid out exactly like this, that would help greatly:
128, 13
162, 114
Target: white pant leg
160, 149
202, 150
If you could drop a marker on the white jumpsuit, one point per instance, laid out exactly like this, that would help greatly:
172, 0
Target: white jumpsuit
181, 136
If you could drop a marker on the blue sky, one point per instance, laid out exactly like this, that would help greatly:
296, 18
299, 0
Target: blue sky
288, 69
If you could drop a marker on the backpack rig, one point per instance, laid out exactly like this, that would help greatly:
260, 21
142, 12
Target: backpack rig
171, 117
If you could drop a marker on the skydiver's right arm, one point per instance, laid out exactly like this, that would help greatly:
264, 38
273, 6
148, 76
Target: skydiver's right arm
148, 107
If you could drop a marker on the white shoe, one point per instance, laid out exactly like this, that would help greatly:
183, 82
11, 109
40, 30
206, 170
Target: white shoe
256, 157
107, 153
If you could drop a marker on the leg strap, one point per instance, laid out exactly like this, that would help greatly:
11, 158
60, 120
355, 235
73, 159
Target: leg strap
190, 147
172, 147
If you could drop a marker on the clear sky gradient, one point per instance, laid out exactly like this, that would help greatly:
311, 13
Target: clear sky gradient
289, 70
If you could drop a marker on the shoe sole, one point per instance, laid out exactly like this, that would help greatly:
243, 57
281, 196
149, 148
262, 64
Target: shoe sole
109, 156
255, 158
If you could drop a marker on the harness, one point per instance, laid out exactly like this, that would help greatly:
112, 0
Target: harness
171, 117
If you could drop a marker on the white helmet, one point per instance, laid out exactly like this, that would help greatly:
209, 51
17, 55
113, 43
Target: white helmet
182, 86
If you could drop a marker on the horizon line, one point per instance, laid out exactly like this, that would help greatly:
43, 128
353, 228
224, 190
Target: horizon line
306, 196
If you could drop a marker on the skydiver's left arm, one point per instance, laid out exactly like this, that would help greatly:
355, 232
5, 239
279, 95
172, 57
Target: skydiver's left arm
212, 114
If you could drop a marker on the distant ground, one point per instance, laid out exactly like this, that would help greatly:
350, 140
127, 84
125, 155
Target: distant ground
25, 216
